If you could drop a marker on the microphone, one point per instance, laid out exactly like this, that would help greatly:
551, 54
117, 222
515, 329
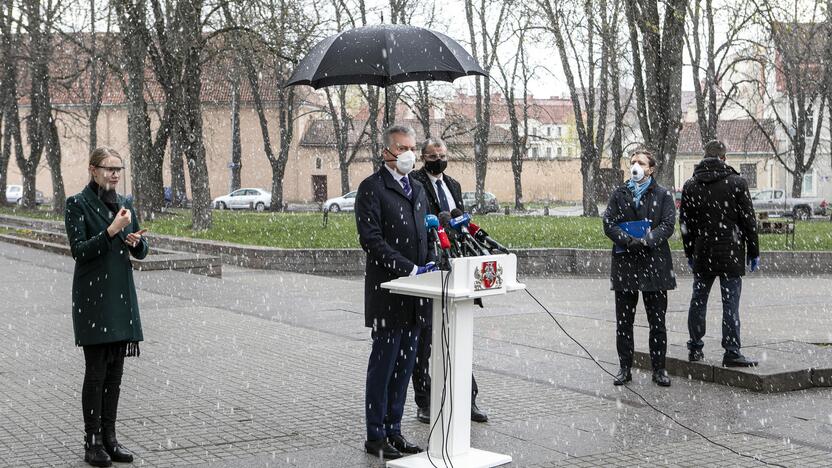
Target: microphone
483, 237
460, 223
444, 221
439, 238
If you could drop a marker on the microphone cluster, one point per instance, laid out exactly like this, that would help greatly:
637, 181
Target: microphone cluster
455, 235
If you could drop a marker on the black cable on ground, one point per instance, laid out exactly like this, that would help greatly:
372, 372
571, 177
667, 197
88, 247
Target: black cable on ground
650, 405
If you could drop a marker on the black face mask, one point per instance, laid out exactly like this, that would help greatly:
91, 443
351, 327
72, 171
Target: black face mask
436, 167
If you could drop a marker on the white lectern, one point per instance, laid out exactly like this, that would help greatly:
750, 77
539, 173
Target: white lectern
470, 278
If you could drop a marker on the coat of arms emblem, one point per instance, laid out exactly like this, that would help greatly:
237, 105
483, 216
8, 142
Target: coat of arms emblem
488, 276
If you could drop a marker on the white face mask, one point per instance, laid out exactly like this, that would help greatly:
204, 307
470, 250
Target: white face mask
637, 172
405, 162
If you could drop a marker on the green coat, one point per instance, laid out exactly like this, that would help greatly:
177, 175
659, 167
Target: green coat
104, 305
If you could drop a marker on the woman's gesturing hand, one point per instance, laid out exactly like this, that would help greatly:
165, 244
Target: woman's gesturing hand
123, 219
134, 238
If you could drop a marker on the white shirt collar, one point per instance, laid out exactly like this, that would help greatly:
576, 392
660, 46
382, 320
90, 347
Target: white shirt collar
396, 176
434, 178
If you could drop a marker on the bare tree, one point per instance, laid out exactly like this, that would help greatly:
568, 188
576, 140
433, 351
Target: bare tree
657, 35
719, 59
9, 37
518, 110
572, 27
798, 96
485, 31
287, 33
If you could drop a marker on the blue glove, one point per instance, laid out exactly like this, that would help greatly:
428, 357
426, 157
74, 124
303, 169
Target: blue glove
427, 268
690, 263
754, 264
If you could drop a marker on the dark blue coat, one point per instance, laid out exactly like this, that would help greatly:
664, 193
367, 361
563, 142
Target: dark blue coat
391, 230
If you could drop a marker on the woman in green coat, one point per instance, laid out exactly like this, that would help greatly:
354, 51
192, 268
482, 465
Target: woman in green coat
103, 232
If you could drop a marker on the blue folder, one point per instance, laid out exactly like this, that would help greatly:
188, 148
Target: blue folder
637, 229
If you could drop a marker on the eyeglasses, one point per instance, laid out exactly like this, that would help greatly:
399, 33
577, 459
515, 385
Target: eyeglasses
402, 149
435, 157
111, 169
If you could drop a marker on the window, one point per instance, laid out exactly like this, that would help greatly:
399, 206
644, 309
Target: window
808, 184
534, 131
749, 173
560, 151
318, 163
548, 131
549, 153
559, 131
810, 124
535, 153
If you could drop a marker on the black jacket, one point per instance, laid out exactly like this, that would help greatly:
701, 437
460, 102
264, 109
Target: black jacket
391, 230
642, 268
430, 190
104, 304
719, 229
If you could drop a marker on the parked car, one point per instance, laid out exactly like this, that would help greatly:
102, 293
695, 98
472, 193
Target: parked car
774, 202
345, 202
244, 198
14, 194
491, 204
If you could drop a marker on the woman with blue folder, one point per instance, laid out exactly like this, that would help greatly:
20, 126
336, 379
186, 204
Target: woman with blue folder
639, 219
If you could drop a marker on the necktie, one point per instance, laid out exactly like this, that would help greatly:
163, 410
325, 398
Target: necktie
443, 199
406, 185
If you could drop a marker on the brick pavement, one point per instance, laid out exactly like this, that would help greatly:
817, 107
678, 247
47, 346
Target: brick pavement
263, 369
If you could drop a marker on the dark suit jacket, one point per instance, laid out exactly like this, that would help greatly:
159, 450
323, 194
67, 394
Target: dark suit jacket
430, 190
391, 230
104, 305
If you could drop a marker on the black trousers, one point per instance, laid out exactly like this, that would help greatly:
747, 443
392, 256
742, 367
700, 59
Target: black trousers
421, 372
102, 384
655, 302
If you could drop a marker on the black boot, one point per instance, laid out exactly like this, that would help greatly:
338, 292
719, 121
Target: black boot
116, 451
94, 453
624, 376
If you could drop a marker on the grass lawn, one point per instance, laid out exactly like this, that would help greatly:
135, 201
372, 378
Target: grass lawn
306, 230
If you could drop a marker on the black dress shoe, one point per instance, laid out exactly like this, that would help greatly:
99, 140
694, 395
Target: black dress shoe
423, 415
696, 355
94, 453
478, 415
116, 451
624, 375
738, 361
380, 448
402, 445
661, 378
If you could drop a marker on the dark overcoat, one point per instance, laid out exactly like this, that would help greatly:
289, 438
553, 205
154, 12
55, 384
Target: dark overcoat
391, 230
430, 192
647, 268
104, 304
717, 220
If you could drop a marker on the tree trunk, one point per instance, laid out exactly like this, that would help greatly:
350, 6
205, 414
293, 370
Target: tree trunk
236, 145
192, 128
177, 167
53, 157
797, 181
373, 109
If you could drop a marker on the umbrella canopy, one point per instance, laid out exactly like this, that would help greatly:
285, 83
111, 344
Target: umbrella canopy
383, 55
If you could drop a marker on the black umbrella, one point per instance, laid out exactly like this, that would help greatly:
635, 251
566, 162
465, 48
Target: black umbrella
383, 55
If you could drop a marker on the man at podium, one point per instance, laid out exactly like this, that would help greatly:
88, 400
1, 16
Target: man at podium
390, 210
443, 193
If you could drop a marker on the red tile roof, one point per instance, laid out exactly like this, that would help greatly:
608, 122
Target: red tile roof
739, 136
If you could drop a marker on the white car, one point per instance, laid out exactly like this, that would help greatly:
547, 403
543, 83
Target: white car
243, 199
345, 202
14, 194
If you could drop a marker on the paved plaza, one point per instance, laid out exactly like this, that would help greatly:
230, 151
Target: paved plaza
265, 368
